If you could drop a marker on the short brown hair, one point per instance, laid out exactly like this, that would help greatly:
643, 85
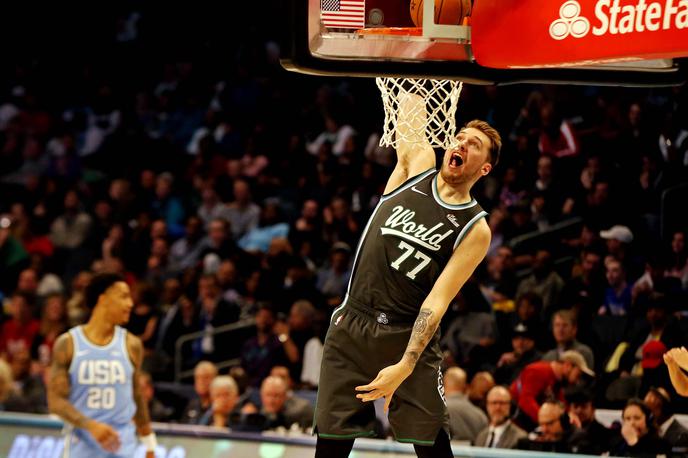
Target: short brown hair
493, 135
567, 315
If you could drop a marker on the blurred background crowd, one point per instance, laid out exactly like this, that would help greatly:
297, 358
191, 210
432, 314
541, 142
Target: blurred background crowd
173, 149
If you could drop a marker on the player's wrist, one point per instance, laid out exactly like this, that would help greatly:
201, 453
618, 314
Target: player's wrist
407, 364
85, 423
150, 441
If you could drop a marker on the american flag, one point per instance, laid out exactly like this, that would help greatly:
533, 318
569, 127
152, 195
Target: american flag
343, 14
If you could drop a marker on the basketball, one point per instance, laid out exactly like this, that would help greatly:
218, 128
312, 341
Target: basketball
449, 12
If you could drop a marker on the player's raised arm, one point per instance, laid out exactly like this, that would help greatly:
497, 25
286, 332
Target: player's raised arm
676, 360
141, 417
58, 397
414, 153
460, 267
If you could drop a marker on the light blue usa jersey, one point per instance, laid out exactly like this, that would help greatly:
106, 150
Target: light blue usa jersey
101, 378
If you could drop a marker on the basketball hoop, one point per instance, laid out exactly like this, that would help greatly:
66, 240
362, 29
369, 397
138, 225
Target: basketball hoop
433, 121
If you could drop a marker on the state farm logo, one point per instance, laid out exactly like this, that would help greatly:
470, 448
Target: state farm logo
613, 18
570, 22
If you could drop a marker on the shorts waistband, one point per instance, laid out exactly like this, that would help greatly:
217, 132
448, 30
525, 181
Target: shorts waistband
384, 318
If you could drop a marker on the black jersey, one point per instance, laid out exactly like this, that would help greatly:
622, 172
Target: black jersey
406, 244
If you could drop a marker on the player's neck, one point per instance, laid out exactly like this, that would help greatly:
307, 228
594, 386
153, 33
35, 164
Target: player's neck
99, 330
454, 194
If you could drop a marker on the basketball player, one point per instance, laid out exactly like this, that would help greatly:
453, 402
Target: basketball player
92, 382
422, 242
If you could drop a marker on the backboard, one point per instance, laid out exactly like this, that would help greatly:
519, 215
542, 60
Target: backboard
613, 42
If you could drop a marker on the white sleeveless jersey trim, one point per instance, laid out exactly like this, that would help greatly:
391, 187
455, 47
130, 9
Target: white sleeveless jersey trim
408, 184
439, 200
468, 226
125, 351
341, 306
90, 344
75, 349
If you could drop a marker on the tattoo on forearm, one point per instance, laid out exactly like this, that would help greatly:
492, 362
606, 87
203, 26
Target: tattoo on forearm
423, 330
58, 390
411, 357
142, 416
421, 323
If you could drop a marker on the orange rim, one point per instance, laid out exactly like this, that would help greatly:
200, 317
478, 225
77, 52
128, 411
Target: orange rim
409, 31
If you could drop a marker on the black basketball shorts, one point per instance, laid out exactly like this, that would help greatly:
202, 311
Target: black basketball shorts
359, 344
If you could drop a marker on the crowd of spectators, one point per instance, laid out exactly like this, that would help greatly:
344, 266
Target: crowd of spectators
227, 190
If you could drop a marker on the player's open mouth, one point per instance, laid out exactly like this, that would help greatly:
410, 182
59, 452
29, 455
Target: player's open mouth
455, 160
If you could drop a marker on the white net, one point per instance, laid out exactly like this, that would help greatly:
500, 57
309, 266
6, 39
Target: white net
419, 111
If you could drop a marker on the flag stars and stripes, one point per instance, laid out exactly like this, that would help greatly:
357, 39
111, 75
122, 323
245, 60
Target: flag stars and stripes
344, 14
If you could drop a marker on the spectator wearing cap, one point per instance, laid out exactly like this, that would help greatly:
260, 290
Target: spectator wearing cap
564, 330
523, 352
617, 296
529, 312
657, 326
658, 400
465, 419
591, 437
654, 372
618, 239
501, 432
544, 379
333, 279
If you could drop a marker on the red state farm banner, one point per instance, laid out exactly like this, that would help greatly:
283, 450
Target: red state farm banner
560, 33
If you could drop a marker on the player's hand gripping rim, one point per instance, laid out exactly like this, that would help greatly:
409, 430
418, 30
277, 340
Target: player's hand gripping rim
385, 384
